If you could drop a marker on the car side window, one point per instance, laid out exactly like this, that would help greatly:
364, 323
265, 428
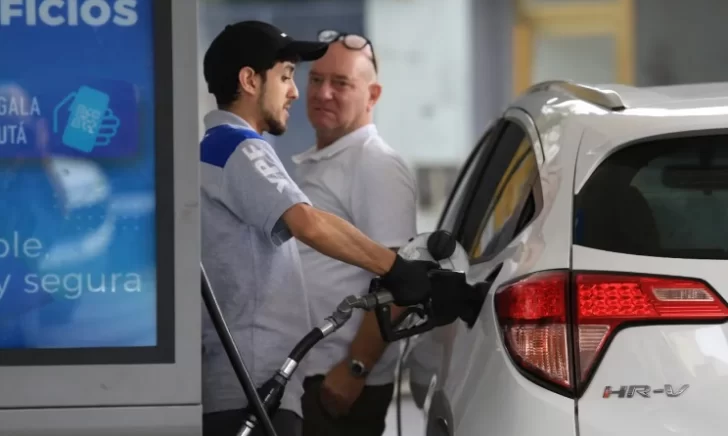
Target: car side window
464, 184
505, 189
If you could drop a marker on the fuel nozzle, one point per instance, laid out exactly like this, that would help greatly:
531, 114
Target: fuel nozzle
372, 300
442, 307
365, 302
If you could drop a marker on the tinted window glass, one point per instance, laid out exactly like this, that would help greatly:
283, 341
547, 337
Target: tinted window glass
463, 184
497, 227
665, 198
500, 193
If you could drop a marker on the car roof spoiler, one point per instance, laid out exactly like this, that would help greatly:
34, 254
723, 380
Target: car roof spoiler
605, 98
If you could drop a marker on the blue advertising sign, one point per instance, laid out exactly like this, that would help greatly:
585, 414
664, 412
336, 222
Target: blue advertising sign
78, 243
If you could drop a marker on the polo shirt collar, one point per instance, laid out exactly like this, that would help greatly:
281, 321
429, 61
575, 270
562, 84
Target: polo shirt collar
356, 137
219, 117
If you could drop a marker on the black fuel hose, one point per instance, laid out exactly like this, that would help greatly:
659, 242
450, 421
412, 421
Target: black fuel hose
305, 344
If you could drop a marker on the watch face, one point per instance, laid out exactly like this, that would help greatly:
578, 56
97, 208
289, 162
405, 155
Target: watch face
357, 368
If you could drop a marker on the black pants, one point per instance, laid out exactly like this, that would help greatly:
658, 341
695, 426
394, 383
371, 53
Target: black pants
367, 416
229, 423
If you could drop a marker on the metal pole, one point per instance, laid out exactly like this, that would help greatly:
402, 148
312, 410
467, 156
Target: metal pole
213, 308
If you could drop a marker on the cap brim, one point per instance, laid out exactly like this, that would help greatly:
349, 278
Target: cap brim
306, 50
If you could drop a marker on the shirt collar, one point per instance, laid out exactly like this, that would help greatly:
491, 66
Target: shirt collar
358, 136
219, 117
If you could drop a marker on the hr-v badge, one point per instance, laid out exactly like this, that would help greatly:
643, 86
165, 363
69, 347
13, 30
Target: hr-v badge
90, 122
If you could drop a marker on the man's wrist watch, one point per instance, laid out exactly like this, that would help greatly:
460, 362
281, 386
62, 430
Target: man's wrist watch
358, 369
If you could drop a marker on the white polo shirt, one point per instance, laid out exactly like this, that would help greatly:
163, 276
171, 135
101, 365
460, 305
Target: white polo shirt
364, 181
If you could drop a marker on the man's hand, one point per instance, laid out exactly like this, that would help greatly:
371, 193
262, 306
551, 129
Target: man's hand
408, 281
340, 389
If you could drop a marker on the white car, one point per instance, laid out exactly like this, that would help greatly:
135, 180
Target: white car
596, 221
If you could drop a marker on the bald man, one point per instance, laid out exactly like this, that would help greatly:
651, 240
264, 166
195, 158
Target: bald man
353, 173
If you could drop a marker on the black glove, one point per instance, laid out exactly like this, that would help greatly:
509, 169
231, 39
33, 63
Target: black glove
408, 282
451, 297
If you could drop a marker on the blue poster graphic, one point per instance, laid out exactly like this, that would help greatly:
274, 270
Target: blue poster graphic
77, 174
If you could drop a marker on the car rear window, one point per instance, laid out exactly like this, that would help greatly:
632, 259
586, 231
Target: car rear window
663, 198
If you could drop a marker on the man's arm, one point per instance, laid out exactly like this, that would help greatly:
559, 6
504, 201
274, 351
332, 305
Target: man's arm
335, 237
257, 189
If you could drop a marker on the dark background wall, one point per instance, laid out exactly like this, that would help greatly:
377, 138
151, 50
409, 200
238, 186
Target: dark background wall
681, 41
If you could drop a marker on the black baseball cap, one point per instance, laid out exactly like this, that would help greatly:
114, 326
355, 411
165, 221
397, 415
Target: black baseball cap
253, 44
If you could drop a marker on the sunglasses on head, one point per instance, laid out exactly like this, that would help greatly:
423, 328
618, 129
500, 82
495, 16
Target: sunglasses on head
352, 41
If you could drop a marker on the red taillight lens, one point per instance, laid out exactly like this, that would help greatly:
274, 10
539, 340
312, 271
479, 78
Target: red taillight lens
534, 314
606, 301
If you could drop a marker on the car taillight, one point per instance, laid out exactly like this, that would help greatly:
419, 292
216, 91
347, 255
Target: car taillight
536, 314
532, 313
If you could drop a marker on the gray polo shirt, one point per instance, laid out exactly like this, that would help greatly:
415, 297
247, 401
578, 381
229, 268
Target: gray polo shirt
251, 259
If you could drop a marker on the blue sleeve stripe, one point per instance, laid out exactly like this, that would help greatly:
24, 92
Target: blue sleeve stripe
220, 143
